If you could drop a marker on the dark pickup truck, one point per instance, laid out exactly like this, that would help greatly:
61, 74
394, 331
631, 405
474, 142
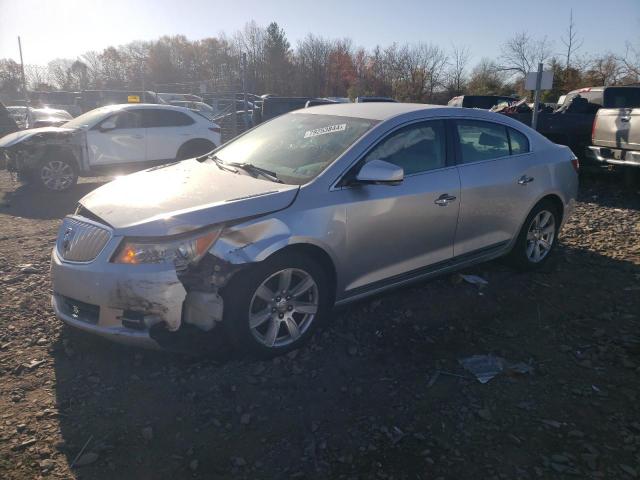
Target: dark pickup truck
571, 123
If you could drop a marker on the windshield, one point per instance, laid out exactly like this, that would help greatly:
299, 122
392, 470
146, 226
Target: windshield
90, 118
296, 147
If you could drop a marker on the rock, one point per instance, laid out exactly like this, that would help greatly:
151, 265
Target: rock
147, 433
559, 459
629, 470
193, 465
86, 459
245, 419
352, 350
484, 414
238, 461
27, 269
93, 379
42, 341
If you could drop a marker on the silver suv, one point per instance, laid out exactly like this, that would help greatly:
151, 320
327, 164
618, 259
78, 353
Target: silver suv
315, 208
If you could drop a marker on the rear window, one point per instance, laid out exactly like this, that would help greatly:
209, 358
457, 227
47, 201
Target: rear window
519, 143
622, 97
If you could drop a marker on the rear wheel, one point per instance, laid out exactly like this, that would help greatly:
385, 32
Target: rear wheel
194, 148
537, 238
56, 175
277, 305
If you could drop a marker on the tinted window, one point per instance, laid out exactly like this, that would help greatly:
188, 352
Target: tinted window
415, 148
166, 118
482, 140
622, 97
519, 143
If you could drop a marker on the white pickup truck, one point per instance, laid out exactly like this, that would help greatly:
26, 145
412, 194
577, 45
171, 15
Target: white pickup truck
109, 140
615, 136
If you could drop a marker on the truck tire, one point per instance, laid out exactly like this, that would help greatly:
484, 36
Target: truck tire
56, 174
194, 148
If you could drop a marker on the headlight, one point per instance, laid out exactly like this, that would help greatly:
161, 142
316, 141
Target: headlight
180, 251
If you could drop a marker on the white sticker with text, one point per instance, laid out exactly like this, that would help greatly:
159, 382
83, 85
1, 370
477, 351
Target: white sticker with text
325, 130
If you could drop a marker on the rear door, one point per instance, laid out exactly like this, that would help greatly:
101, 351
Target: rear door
395, 230
499, 182
124, 144
167, 131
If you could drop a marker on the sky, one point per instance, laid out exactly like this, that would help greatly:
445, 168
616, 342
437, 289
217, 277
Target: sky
67, 28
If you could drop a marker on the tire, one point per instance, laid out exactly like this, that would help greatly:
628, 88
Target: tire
535, 243
256, 295
56, 174
194, 148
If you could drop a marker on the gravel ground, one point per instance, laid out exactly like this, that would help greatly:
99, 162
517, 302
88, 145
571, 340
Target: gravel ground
379, 394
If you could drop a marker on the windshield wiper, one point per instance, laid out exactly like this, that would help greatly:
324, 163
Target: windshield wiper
250, 167
221, 165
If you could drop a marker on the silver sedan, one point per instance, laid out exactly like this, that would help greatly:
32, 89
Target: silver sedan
259, 239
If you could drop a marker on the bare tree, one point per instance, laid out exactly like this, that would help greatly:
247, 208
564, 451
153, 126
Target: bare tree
522, 53
572, 42
460, 57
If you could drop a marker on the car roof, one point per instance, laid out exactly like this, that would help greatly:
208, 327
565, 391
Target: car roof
369, 110
385, 111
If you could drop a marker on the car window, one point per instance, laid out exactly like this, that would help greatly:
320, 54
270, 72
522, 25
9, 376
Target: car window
416, 148
166, 118
482, 140
519, 143
126, 119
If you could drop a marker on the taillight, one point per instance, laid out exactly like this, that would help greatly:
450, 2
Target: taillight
576, 164
215, 129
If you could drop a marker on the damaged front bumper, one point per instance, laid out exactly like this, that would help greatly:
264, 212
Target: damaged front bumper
141, 305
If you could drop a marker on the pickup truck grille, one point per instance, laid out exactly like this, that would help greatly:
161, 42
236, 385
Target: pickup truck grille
80, 241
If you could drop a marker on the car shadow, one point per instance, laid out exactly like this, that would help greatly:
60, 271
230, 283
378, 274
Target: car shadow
608, 189
151, 414
28, 201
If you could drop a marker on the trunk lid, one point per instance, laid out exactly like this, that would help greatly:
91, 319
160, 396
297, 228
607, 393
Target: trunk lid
617, 128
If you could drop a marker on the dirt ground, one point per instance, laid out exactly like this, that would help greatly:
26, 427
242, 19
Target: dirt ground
379, 394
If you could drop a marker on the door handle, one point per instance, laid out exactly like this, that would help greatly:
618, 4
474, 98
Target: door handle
523, 180
444, 200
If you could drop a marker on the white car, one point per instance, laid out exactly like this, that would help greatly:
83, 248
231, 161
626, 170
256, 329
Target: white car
108, 140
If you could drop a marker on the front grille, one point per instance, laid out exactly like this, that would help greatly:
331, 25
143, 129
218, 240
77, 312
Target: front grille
85, 312
80, 241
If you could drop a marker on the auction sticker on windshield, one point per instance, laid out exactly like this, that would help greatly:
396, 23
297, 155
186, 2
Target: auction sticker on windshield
324, 130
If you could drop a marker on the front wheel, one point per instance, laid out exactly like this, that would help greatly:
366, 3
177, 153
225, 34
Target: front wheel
275, 306
537, 238
57, 175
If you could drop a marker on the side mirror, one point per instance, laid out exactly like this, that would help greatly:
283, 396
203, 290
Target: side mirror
380, 172
107, 125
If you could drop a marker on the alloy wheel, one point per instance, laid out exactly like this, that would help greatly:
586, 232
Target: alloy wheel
57, 175
540, 236
283, 307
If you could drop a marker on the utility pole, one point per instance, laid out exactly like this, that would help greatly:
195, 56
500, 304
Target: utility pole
24, 83
244, 90
536, 98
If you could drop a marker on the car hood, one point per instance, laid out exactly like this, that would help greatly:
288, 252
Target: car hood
22, 135
184, 196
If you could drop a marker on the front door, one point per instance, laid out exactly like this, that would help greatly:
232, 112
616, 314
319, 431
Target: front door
398, 230
126, 143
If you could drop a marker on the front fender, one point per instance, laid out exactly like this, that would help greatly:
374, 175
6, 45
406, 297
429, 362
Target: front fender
257, 241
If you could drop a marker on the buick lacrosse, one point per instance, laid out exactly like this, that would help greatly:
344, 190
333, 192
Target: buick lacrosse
260, 238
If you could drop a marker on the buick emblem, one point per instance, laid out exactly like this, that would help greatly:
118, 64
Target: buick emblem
66, 239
